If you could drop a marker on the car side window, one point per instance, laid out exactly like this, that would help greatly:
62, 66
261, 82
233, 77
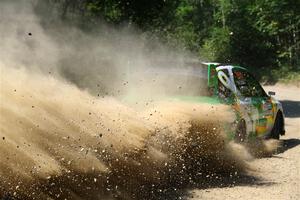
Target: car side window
247, 84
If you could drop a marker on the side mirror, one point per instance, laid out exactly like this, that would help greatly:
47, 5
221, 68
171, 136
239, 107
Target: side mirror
271, 93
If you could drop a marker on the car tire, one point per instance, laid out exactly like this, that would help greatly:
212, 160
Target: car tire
276, 130
240, 133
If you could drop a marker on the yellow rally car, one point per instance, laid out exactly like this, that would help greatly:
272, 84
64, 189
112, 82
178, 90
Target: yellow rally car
258, 114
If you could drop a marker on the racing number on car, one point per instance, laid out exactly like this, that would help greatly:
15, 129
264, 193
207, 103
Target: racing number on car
225, 80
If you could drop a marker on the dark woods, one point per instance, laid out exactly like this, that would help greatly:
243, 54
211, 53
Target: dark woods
260, 34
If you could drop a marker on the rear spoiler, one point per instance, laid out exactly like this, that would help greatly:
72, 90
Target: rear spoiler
211, 73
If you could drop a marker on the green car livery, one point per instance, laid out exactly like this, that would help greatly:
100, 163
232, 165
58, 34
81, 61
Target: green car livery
259, 115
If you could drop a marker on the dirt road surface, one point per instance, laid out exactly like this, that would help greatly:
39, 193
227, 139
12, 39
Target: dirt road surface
276, 177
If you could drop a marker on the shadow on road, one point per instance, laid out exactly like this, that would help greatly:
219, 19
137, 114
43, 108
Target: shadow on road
288, 144
271, 148
211, 182
291, 109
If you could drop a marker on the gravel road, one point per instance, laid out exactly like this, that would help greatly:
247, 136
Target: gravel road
275, 177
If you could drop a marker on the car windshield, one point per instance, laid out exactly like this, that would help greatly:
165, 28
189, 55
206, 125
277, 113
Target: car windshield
247, 84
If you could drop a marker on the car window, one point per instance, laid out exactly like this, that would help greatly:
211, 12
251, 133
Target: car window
247, 84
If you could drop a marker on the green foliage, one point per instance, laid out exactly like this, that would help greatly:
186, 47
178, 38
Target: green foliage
279, 20
262, 34
284, 74
109, 10
217, 46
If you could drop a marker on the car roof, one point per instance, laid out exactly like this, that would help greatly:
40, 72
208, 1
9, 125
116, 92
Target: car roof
210, 63
239, 67
225, 66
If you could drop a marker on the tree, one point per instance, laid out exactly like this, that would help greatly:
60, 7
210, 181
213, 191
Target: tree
257, 34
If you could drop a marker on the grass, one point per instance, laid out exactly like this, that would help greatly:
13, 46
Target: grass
285, 75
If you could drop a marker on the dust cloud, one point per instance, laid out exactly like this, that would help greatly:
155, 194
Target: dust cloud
71, 130
105, 61
61, 142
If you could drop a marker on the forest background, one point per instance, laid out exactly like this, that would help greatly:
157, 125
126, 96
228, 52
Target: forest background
261, 35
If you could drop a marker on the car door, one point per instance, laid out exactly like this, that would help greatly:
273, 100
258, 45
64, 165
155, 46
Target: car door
258, 103
227, 93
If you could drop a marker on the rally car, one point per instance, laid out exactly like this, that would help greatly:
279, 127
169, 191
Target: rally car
259, 115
